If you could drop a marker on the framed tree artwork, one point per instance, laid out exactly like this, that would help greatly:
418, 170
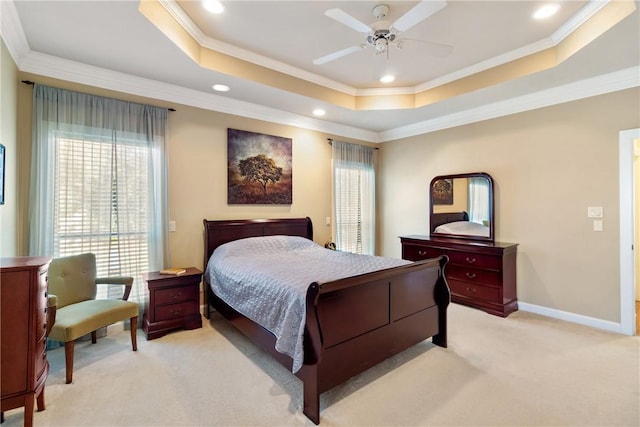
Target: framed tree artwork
259, 168
443, 192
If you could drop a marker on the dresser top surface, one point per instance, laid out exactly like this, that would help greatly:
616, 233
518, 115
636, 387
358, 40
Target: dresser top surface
466, 242
24, 261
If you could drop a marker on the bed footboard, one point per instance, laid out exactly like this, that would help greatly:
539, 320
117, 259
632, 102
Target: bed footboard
356, 323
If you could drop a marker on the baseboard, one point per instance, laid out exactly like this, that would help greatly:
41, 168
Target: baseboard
606, 325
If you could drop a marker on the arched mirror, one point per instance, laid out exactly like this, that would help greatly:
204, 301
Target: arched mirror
462, 206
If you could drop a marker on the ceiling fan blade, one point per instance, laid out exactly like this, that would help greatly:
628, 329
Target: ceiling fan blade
338, 54
434, 49
348, 20
418, 13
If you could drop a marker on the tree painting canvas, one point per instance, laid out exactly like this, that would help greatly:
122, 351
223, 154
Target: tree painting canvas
259, 168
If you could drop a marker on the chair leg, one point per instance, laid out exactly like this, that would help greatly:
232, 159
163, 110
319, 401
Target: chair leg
94, 337
68, 358
134, 333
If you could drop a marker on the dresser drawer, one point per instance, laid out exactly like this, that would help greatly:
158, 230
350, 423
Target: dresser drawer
473, 275
474, 291
175, 295
476, 260
40, 358
417, 253
176, 311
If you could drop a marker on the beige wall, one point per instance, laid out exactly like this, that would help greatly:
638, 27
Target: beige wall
8, 138
549, 165
198, 178
197, 156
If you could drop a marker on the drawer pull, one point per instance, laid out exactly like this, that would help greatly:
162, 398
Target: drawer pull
472, 290
422, 253
471, 260
471, 275
176, 295
176, 312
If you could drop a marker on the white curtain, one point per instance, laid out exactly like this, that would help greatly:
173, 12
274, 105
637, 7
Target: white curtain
478, 198
98, 182
354, 197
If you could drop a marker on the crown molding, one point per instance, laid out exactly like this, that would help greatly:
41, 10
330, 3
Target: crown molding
54, 67
12, 32
612, 82
173, 8
63, 69
205, 41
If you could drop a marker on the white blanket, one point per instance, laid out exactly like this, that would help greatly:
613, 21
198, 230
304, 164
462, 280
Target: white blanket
266, 279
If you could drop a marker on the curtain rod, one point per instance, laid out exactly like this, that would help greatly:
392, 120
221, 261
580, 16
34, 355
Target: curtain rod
330, 141
29, 82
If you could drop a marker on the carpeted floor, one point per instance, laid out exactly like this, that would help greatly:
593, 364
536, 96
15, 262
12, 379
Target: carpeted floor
525, 370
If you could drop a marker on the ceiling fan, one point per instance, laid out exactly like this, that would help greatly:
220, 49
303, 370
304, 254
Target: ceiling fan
380, 34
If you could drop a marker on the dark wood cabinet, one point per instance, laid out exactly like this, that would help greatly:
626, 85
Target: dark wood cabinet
23, 328
174, 302
480, 274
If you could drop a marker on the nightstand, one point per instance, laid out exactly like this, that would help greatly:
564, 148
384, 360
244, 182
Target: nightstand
174, 302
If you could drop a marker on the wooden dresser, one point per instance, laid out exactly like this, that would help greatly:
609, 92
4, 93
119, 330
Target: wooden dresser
480, 274
23, 297
174, 302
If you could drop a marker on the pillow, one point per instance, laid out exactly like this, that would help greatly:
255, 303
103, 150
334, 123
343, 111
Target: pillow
465, 228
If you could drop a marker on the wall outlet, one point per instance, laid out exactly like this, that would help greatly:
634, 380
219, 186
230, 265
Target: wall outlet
172, 226
327, 220
597, 225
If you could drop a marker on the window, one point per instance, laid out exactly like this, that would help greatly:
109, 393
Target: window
478, 197
98, 182
354, 197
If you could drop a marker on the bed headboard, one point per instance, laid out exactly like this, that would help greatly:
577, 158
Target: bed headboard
219, 232
444, 218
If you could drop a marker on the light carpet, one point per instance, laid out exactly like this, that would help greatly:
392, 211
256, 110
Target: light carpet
525, 370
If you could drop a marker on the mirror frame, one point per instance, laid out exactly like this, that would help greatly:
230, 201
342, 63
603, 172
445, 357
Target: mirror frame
492, 218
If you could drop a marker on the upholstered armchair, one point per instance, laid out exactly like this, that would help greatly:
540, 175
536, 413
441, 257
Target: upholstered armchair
72, 280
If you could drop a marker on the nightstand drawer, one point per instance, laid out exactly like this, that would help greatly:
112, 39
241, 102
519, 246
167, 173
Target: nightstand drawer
177, 294
176, 311
474, 291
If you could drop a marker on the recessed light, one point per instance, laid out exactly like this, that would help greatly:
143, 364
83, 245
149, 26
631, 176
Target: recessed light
221, 88
213, 6
387, 78
546, 11
319, 112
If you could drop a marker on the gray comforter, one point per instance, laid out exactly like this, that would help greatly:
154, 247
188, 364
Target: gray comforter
266, 279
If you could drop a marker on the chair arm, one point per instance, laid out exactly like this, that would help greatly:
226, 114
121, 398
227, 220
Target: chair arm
127, 282
52, 307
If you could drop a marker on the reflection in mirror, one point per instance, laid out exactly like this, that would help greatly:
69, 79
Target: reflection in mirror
462, 206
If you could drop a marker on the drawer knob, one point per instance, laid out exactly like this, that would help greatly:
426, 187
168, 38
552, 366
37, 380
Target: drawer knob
472, 290
177, 295
176, 312
471, 260
471, 275
422, 253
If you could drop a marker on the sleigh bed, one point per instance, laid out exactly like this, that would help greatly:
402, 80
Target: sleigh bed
349, 324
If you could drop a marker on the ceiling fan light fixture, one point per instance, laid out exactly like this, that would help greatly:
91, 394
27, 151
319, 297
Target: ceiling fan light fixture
546, 11
213, 6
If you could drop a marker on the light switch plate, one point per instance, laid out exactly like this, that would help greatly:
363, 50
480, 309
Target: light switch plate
594, 212
172, 226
